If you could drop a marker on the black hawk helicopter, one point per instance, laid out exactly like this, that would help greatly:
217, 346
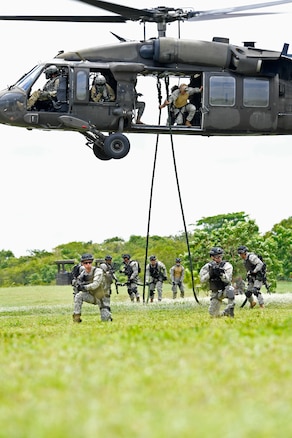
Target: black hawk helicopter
243, 90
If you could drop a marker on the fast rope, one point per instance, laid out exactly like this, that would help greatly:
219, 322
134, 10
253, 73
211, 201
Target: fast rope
178, 189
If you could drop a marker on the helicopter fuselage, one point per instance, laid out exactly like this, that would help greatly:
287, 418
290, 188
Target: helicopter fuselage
246, 91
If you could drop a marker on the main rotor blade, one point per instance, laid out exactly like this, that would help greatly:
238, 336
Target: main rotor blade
160, 14
229, 12
65, 18
125, 11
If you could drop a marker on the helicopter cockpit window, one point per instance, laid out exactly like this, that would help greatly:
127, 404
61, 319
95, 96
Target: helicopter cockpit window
28, 80
255, 92
222, 91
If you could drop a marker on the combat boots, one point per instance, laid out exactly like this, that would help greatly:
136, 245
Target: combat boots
76, 317
252, 304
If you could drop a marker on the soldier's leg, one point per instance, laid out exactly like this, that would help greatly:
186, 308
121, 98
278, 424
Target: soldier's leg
182, 290
152, 291
174, 290
257, 292
78, 302
191, 110
135, 291
214, 307
105, 310
33, 98
179, 116
229, 294
159, 286
131, 293
249, 294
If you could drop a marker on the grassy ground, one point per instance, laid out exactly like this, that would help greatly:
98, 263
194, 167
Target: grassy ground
158, 370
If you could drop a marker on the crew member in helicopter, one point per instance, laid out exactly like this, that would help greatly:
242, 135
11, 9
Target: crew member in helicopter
139, 106
49, 91
179, 99
196, 99
101, 91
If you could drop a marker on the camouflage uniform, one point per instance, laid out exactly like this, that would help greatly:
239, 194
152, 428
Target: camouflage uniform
94, 291
180, 105
253, 266
177, 273
102, 93
219, 276
49, 92
155, 276
131, 270
109, 273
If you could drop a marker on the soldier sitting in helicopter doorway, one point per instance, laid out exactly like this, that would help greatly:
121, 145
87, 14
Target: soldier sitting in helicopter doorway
101, 91
182, 110
48, 94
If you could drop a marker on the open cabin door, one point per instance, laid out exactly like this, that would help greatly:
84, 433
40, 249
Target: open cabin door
239, 104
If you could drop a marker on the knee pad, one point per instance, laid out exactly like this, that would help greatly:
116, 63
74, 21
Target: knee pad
255, 291
230, 292
248, 293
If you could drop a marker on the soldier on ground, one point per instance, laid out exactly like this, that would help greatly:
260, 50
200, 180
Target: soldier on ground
218, 273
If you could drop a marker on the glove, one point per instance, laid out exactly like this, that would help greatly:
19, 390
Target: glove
216, 272
81, 288
164, 278
173, 283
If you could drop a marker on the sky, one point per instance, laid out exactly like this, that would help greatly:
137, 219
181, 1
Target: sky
55, 191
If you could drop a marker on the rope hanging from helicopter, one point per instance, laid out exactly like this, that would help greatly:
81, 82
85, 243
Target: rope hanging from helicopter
178, 189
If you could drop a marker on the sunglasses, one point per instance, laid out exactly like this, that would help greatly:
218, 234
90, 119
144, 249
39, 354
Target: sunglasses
87, 263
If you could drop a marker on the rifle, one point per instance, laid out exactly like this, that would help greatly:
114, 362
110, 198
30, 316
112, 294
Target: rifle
127, 283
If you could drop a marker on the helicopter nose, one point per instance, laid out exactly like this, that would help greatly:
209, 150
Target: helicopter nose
12, 105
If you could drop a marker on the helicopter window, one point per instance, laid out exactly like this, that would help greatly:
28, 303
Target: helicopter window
27, 80
255, 92
81, 85
222, 91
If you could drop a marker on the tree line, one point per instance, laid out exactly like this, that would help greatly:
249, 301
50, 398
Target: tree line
227, 230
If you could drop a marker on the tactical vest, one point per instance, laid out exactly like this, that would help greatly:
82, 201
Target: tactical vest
181, 100
154, 270
88, 278
216, 283
249, 266
128, 270
177, 272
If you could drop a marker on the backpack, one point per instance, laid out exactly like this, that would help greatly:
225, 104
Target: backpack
264, 267
75, 271
139, 267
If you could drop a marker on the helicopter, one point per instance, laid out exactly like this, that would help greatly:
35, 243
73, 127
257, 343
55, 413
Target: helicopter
244, 90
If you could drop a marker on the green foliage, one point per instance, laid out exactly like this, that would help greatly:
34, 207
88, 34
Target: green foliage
228, 231
216, 222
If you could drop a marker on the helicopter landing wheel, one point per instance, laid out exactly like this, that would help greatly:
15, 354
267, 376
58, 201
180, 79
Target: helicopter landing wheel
99, 153
116, 146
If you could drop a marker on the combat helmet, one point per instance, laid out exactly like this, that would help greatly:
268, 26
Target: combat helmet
216, 250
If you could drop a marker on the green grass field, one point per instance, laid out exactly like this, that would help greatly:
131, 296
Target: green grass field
158, 370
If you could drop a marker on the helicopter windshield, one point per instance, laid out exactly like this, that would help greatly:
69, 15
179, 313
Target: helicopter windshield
26, 81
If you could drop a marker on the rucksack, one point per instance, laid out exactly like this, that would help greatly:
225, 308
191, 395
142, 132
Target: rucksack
264, 268
139, 267
76, 271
